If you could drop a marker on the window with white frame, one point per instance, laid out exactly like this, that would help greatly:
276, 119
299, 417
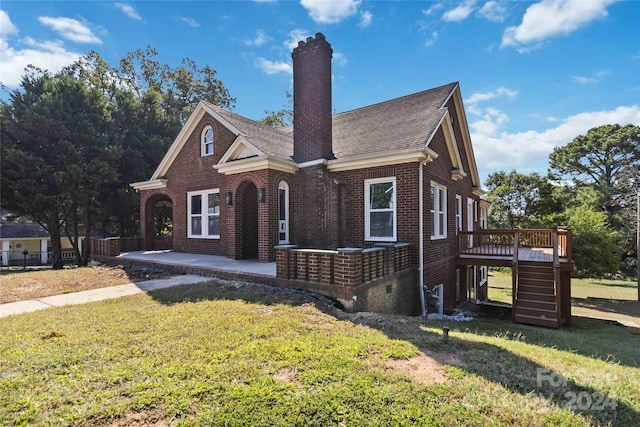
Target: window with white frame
207, 141
483, 217
438, 211
380, 209
203, 211
458, 212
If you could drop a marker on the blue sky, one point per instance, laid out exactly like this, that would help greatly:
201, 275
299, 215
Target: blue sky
533, 74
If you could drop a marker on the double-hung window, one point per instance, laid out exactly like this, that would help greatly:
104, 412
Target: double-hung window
203, 209
438, 211
380, 209
207, 141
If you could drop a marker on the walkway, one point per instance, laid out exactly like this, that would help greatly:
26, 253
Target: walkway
99, 294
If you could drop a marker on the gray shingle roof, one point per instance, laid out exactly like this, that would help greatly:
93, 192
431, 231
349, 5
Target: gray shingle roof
22, 231
402, 123
271, 141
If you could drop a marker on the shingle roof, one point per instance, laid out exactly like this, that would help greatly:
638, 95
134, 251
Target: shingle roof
21, 231
271, 141
401, 123
397, 124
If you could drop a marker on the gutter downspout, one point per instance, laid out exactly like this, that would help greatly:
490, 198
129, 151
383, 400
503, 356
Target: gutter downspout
421, 239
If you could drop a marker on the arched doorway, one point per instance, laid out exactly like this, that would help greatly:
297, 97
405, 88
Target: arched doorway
159, 223
249, 221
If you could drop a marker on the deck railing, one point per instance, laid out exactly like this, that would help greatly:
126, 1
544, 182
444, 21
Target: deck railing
505, 243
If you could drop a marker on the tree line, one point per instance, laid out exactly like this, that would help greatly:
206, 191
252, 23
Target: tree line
592, 186
73, 141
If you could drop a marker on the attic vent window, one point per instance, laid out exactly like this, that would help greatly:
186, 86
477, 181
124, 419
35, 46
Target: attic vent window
207, 141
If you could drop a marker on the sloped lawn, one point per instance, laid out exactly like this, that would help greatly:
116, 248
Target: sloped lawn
226, 353
18, 285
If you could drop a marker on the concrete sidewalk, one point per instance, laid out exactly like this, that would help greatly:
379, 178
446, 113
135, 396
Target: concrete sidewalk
99, 294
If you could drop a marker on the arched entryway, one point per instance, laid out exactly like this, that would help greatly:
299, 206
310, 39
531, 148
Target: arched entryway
248, 228
159, 223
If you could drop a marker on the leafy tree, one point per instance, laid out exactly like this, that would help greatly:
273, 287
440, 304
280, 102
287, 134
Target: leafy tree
56, 154
595, 252
149, 102
517, 200
607, 160
601, 159
282, 118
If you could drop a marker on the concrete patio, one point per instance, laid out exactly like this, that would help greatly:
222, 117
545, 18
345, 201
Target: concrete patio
251, 269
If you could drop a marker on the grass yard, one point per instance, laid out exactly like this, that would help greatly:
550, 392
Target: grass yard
19, 285
615, 300
232, 354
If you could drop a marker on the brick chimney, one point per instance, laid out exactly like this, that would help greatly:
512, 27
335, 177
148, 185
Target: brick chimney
312, 100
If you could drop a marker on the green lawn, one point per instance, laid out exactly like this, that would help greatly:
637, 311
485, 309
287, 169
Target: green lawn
229, 354
615, 300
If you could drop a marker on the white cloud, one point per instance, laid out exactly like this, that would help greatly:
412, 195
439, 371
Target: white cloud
296, 36
273, 67
496, 149
128, 10
189, 21
259, 39
365, 19
330, 12
70, 29
6, 26
587, 80
339, 58
550, 18
460, 13
436, 7
486, 96
431, 39
49, 55
493, 11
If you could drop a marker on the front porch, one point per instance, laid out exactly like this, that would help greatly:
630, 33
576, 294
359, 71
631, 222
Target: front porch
541, 265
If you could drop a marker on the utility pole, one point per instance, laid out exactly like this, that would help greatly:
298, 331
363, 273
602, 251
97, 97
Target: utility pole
638, 239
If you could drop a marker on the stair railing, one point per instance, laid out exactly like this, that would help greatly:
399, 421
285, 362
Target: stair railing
514, 273
556, 273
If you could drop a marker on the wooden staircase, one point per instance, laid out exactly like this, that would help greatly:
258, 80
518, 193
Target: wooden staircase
536, 302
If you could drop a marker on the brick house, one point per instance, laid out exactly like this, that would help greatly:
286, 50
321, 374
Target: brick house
398, 171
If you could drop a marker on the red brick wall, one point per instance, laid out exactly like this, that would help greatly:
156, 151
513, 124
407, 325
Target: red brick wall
440, 255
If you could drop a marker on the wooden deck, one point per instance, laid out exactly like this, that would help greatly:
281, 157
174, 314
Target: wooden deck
504, 247
524, 254
541, 265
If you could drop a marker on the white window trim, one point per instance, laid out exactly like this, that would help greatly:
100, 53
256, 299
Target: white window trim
483, 217
483, 272
367, 210
458, 213
203, 145
283, 225
436, 201
204, 214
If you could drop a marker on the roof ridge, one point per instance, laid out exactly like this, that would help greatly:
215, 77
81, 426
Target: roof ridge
454, 84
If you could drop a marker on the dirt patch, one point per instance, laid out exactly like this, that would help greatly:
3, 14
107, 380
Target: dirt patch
18, 285
287, 375
139, 419
422, 369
